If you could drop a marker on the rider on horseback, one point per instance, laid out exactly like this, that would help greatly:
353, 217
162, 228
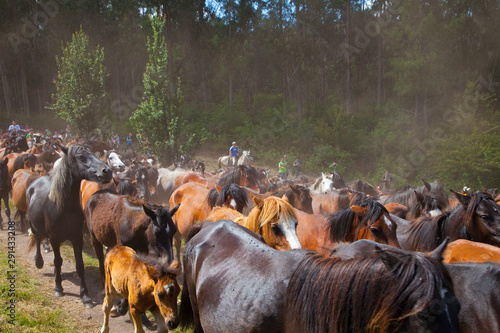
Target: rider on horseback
233, 154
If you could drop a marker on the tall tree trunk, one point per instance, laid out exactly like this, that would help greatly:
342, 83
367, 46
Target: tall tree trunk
299, 24
348, 42
24, 88
6, 90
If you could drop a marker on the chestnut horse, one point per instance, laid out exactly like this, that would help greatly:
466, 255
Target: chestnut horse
115, 219
55, 213
476, 218
20, 182
148, 284
272, 218
233, 282
463, 250
331, 202
367, 220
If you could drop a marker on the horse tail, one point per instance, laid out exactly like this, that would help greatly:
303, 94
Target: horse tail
32, 241
220, 162
186, 315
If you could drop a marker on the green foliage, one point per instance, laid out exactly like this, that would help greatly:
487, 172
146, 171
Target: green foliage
79, 99
158, 115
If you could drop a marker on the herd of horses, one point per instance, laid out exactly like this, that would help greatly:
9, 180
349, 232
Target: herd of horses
260, 254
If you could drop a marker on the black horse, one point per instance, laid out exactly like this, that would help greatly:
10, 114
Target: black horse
5, 187
55, 213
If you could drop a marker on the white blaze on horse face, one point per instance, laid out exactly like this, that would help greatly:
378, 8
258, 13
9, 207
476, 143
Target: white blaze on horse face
435, 212
288, 228
232, 203
388, 222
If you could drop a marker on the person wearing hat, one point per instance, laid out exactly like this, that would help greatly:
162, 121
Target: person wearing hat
233, 154
129, 143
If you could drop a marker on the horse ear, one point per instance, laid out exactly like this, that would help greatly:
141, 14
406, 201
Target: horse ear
258, 201
358, 210
438, 251
388, 259
427, 185
464, 199
152, 272
64, 149
173, 210
420, 197
218, 188
294, 188
323, 175
174, 265
149, 212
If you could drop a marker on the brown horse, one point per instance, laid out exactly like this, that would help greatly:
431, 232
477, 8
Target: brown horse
477, 218
243, 175
235, 283
463, 250
115, 219
20, 182
5, 188
191, 177
331, 202
148, 284
272, 218
368, 220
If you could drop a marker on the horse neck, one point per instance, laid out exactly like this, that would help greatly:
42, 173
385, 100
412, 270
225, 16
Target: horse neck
454, 225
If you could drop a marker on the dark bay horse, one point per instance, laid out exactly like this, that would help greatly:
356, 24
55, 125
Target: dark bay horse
476, 286
115, 219
476, 218
243, 175
298, 196
55, 213
233, 282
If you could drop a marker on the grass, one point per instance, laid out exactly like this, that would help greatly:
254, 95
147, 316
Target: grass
34, 311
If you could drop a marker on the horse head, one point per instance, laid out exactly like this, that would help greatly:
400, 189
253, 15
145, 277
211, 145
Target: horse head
114, 161
326, 184
162, 231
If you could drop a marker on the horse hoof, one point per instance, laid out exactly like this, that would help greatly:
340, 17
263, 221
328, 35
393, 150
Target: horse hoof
87, 302
114, 312
58, 293
39, 263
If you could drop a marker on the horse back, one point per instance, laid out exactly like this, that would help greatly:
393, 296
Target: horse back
223, 261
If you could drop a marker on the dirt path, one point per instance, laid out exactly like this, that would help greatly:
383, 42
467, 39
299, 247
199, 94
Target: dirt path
90, 320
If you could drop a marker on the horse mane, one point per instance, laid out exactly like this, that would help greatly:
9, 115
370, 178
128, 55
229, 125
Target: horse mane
476, 199
333, 295
126, 187
212, 197
425, 234
430, 199
339, 224
271, 206
234, 191
233, 176
356, 197
60, 176
161, 265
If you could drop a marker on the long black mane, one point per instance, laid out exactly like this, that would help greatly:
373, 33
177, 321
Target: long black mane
331, 295
339, 224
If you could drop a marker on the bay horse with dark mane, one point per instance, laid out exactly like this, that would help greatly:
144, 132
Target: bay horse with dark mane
233, 282
115, 219
476, 218
55, 213
243, 175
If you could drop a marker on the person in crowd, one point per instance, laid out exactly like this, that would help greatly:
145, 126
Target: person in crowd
233, 154
14, 127
297, 167
386, 181
128, 140
283, 168
333, 167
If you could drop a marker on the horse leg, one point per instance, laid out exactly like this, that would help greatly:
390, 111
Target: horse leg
58, 289
136, 318
161, 326
38, 255
107, 304
7, 209
46, 247
178, 244
77, 250
98, 248
24, 224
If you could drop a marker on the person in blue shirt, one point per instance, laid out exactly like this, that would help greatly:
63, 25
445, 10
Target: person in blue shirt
233, 154
128, 139
14, 127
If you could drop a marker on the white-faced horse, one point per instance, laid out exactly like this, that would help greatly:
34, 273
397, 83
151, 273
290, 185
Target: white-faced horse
322, 185
245, 159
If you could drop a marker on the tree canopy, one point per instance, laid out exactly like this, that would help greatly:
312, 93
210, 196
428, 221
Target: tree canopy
373, 85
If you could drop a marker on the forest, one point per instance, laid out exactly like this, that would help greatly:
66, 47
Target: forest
409, 86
